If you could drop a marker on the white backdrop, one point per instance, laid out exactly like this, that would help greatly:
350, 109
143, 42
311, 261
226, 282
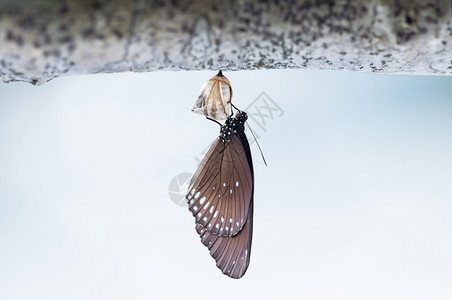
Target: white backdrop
355, 203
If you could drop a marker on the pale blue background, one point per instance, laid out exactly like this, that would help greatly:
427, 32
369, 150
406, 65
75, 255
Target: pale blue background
356, 201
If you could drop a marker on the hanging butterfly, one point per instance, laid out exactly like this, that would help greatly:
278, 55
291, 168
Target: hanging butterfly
214, 99
220, 197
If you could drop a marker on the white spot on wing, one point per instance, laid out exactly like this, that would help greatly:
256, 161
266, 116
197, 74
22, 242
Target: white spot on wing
203, 199
236, 183
197, 195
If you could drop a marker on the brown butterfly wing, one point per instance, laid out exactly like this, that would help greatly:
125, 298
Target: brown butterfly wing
220, 192
232, 254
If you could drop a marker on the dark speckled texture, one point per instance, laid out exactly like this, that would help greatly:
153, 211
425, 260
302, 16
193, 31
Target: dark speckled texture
40, 40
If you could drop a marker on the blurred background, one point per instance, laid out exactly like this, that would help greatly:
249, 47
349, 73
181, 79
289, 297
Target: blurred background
355, 202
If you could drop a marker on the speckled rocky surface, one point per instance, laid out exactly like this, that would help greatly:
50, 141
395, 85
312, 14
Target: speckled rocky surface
40, 40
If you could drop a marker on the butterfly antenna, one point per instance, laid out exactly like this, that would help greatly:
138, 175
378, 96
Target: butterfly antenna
262, 153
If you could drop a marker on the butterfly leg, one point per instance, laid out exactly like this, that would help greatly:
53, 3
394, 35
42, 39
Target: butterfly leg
235, 106
213, 120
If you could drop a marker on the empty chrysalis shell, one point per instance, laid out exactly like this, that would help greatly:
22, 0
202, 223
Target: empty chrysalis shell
214, 99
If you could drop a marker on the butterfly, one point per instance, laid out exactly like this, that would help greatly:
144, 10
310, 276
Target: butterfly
220, 197
214, 99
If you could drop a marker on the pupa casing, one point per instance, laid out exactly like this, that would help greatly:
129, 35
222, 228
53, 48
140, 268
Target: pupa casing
214, 99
